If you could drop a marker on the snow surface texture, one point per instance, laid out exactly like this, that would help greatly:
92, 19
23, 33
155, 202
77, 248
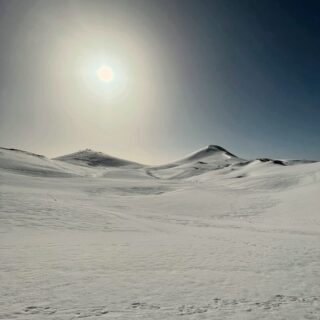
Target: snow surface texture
211, 236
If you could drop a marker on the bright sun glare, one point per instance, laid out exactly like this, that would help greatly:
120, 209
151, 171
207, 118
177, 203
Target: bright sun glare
105, 73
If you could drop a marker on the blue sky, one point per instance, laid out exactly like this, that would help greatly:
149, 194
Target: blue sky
241, 74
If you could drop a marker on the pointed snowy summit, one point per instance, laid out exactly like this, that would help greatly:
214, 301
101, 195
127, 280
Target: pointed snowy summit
210, 150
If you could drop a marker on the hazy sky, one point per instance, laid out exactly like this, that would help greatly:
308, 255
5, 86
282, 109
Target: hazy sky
241, 74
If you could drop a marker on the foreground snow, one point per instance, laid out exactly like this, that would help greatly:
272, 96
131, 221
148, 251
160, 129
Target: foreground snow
209, 237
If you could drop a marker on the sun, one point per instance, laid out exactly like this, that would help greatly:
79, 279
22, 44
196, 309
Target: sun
105, 73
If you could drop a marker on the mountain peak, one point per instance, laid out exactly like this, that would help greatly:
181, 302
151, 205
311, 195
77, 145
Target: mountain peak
213, 147
210, 150
95, 159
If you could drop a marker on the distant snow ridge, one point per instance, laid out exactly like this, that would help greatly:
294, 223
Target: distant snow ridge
95, 159
24, 152
27, 163
87, 162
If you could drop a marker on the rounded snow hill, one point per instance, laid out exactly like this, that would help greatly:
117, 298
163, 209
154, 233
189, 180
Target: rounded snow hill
212, 157
92, 158
27, 163
207, 155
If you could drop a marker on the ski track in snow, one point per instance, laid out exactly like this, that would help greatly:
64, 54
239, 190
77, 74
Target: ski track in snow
231, 240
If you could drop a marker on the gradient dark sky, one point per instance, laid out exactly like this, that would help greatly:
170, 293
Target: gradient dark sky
241, 74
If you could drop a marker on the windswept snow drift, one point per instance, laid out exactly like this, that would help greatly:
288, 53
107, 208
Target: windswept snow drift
211, 236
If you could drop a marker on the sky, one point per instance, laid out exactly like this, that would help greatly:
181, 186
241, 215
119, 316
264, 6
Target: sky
244, 75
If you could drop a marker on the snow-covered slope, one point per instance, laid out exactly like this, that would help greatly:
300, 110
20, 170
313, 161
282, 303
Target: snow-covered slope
235, 239
209, 158
93, 158
27, 163
209, 154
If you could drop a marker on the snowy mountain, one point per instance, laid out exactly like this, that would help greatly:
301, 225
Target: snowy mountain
88, 162
206, 159
23, 162
210, 236
95, 159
